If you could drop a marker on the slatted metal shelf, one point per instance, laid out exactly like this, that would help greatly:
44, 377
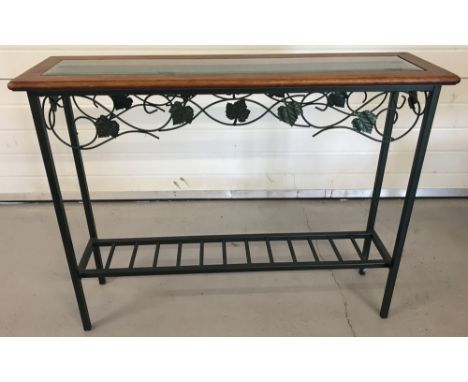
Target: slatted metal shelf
312, 260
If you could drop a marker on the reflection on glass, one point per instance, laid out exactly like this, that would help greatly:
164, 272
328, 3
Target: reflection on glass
214, 66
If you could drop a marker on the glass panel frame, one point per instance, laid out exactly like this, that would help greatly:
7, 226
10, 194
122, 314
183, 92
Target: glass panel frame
230, 66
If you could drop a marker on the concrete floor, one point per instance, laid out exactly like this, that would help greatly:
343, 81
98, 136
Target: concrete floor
430, 299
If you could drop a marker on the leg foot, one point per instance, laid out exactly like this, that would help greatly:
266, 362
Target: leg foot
383, 314
102, 280
362, 271
87, 326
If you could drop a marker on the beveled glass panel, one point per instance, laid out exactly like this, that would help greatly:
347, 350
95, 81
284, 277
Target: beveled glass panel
220, 66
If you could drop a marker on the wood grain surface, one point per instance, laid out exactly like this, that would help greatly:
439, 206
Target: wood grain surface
34, 79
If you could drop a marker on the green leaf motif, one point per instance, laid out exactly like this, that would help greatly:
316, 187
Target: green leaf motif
237, 111
181, 114
122, 101
106, 127
365, 121
289, 112
337, 99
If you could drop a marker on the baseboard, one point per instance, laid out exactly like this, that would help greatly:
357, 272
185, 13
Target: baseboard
241, 194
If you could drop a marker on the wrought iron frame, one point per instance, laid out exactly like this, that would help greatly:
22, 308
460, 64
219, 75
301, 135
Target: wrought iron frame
336, 99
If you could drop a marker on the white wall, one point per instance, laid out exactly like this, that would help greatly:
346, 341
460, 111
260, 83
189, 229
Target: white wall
261, 159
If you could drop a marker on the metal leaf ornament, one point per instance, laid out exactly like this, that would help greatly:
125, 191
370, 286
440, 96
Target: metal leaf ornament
413, 100
237, 111
122, 101
365, 121
337, 99
289, 112
181, 114
106, 127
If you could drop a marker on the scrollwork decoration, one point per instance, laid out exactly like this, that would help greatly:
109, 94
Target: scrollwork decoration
359, 112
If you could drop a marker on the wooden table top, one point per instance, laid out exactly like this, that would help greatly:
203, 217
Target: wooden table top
111, 73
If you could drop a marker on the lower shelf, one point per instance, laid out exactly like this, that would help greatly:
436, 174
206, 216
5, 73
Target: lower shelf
189, 254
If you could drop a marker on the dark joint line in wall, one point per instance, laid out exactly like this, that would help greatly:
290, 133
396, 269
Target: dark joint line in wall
423, 193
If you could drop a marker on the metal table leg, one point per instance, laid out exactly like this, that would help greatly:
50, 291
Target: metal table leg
418, 161
380, 173
75, 143
49, 165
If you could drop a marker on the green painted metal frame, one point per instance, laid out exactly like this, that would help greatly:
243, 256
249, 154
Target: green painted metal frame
369, 235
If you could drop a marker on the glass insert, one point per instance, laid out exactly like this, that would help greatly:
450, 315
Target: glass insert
219, 66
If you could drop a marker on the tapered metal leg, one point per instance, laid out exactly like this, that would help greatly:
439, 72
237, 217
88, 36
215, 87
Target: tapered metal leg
74, 141
380, 172
418, 161
49, 165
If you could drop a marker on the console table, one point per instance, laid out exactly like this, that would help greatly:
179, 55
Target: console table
363, 94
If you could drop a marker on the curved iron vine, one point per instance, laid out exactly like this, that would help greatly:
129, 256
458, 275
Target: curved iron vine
178, 111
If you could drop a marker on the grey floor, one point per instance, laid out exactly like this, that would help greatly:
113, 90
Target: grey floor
36, 296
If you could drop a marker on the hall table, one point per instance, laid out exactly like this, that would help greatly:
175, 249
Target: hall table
358, 93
